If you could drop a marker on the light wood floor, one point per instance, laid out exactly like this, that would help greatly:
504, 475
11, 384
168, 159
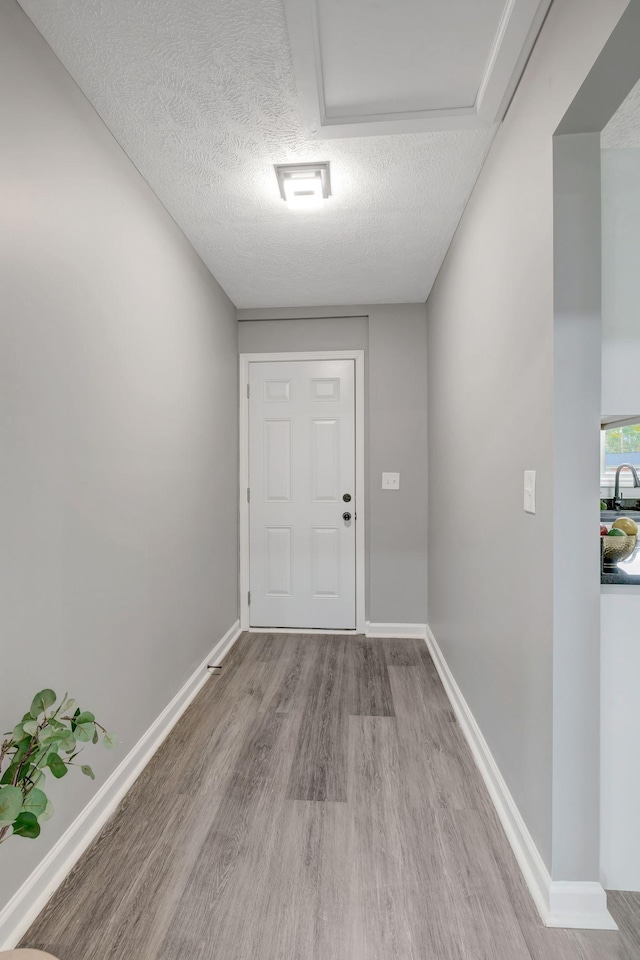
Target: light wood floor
316, 802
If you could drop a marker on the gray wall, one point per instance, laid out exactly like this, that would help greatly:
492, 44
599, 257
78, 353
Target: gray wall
398, 442
491, 370
620, 281
394, 340
118, 430
576, 559
281, 336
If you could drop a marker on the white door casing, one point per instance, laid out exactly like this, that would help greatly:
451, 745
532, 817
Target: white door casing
301, 450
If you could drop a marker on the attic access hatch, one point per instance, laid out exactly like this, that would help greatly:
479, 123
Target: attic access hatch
366, 69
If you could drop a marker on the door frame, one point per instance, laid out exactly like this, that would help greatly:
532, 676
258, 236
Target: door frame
245, 360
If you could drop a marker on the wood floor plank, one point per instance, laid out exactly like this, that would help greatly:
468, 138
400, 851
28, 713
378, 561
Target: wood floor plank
125, 884
301, 903
625, 908
379, 922
208, 908
293, 674
269, 646
401, 653
369, 679
319, 769
317, 801
486, 925
467, 904
433, 744
235, 853
225, 710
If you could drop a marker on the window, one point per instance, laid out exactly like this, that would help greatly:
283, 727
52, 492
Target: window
620, 443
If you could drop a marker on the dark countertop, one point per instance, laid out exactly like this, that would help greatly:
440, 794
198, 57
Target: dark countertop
609, 576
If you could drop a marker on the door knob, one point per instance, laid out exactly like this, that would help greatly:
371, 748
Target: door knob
346, 497
346, 516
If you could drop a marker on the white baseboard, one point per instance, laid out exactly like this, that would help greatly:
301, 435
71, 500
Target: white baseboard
304, 631
582, 905
560, 904
20, 912
405, 631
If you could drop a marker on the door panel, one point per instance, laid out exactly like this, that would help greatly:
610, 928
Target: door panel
325, 562
277, 551
301, 463
325, 460
277, 460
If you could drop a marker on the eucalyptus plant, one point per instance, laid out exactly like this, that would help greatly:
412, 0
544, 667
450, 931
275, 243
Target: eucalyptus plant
46, 739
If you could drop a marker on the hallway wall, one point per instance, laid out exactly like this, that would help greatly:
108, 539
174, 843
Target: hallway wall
394, 339
491, 364
620, 280
118, 430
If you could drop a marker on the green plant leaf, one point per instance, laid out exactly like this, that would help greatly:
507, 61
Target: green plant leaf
38, 778
27, 772
44, 759
40, 755
35, 802
109, 740
69, 744
18, 732
26, 825
10, 772
41, 702
85, 731
48, 812
57, 766
10, 804
85, 717
30, 727
88, 772
95, 737
51, 735
21, 748
28, 776
69, 705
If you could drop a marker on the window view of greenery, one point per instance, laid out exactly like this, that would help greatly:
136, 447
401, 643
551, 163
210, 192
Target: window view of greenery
622, 445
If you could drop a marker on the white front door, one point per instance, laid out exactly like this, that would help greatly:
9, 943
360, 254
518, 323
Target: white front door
302, 549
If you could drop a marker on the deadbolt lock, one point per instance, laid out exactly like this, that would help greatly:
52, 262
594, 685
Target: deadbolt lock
346, 497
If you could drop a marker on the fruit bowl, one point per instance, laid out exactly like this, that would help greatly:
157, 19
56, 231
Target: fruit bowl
615, 549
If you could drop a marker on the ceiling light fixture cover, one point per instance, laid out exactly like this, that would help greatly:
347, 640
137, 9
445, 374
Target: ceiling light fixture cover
303, 182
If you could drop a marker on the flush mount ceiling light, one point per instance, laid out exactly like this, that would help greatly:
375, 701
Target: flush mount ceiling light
304, 184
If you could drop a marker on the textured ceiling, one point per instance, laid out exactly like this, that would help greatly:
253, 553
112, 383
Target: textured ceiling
623, 130
202, 97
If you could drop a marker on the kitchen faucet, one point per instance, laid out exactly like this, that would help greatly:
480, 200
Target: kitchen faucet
617, 501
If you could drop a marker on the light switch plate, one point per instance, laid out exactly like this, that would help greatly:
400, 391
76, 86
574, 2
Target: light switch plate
390, 481
530, 491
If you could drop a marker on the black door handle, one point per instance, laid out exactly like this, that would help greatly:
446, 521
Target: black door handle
346, 516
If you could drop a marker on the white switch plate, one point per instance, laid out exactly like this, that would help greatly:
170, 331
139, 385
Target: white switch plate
390, 481
530, 491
